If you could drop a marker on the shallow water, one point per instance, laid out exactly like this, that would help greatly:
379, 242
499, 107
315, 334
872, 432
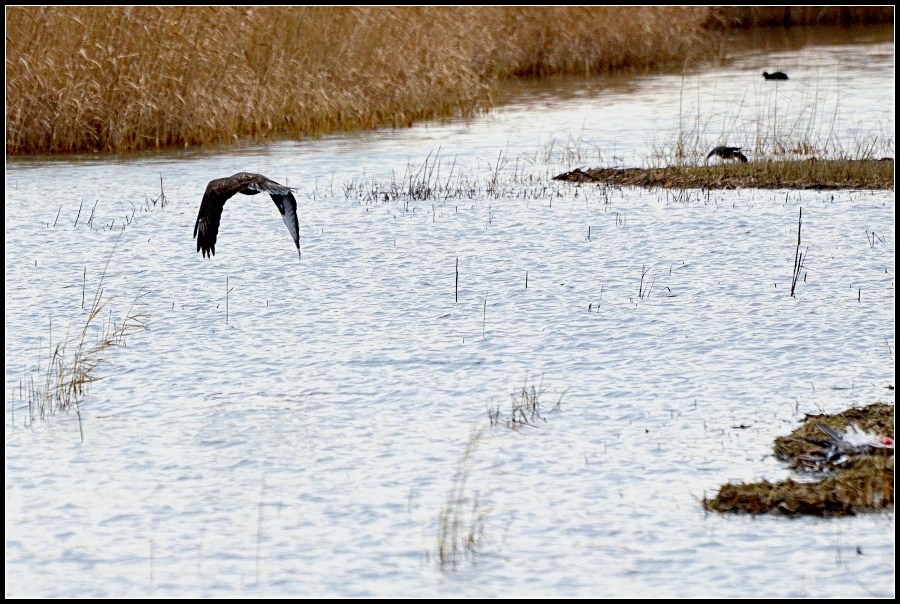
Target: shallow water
308, 443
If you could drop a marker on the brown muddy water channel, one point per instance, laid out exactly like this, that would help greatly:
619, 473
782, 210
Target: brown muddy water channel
310, 442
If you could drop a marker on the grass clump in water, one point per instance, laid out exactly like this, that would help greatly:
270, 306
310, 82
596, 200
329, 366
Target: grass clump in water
69, 374
525, 408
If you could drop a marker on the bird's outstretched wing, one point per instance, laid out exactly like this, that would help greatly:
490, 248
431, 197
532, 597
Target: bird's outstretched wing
287, 205
221, 190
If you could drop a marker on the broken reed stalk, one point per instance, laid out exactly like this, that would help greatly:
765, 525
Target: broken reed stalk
162, 194
91, 219
456, 288
641, 292
798, 256
79, 213
227, 291
526, 406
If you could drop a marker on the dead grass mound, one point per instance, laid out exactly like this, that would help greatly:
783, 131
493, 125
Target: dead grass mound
807, 174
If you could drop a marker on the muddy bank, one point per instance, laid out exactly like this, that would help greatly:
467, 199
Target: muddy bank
805, 174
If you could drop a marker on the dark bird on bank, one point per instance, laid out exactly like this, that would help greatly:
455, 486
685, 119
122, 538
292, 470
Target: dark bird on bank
728, 153
778, 75
222, 189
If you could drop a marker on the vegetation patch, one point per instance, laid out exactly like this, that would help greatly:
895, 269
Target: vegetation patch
852, 456
525, 409
463, 517
461, 521
806, 174
84, 79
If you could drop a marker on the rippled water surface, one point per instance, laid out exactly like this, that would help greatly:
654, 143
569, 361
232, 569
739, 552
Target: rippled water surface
307, 442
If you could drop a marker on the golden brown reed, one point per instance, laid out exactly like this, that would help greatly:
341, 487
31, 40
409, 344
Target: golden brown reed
131, 78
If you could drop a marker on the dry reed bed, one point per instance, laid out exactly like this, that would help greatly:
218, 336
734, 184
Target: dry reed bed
130, 78
808, 174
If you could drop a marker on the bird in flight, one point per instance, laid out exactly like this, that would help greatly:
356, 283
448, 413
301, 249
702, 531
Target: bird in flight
728, 153
222, 189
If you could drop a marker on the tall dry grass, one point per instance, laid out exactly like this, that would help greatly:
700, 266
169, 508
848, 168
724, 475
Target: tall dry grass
73, 360
131, 78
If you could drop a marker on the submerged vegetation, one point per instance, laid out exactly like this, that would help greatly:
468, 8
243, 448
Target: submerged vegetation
130, 78
461, 520
853, 477
463, 517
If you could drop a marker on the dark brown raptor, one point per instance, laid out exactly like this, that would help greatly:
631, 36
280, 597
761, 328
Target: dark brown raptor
222, 189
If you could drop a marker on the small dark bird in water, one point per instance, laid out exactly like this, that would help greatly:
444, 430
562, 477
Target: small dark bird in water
728, 153
222, 189
778, 75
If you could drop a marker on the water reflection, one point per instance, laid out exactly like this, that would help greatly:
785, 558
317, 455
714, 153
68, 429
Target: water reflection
768, 40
